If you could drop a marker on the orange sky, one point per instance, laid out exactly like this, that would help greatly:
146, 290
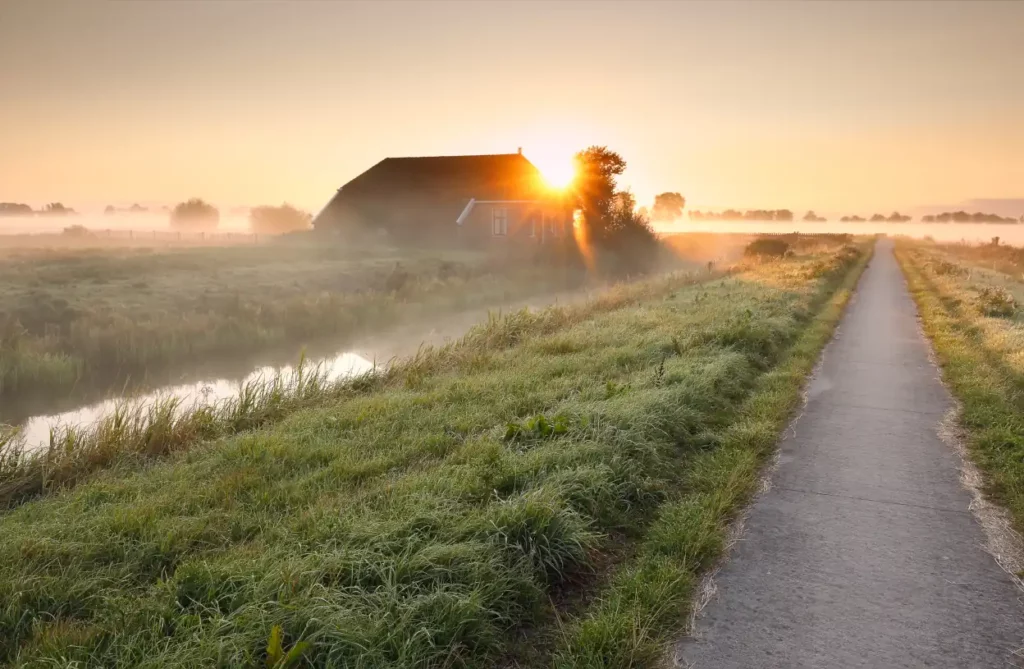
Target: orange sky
833, 106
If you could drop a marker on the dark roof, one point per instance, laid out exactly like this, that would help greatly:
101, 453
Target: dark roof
473, 175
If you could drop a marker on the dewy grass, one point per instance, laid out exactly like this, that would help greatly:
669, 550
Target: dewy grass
982, 364
403, 523
646, 600
132, 431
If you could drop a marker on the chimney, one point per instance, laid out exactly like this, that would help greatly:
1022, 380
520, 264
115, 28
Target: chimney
520, 150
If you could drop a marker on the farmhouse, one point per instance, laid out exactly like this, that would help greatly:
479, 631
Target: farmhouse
450, 199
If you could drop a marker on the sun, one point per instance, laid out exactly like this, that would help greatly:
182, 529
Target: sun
556, 167
558, 174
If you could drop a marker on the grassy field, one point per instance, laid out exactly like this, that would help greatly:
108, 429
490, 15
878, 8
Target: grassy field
971, 313
90, 318
540, 493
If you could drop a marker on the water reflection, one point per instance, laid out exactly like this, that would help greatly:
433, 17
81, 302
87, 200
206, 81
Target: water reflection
36, 430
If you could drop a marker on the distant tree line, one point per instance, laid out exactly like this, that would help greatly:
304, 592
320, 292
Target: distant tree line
964, 217
198, 215
15, 209
894, 217
19, 209
749, 215
134, 209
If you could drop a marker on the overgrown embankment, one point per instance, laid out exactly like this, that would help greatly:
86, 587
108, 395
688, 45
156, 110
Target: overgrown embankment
83, 321
433, 515
973, 318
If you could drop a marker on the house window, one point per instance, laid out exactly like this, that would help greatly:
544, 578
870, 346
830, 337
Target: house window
499, 221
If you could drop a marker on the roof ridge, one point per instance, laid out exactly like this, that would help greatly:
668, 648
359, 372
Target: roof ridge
468, 155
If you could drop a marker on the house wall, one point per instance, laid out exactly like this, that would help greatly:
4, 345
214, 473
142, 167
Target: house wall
525, 223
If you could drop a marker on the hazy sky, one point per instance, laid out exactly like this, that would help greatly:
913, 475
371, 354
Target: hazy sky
835, 106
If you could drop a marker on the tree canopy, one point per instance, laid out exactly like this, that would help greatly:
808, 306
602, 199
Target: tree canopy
964, 217
668, 206
269, 220
15, 209
749, 215
195, 214
608, 215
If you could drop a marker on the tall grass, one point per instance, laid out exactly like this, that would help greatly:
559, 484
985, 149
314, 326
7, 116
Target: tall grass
427, 518
133, 431
95, 318
980, 354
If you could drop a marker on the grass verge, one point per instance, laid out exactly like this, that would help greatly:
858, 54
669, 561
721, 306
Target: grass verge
429, 518
982, 362
646, 602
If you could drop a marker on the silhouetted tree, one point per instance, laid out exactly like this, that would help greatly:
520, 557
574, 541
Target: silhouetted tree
195, 214
811, 217
15, 209
878, 218
597, 171
269, 220
783, 215
964, 217
56, 209
609, 215
109, 209
896, 217
137, 208
667, 207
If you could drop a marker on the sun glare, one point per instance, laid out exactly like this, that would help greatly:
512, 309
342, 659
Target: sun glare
556, 167
558, 174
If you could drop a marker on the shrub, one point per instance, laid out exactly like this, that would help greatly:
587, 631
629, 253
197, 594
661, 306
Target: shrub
195, 214
946, 268
767, 247
268, 220
997, 301
76, 231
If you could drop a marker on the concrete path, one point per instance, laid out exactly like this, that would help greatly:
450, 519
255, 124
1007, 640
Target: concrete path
863, 553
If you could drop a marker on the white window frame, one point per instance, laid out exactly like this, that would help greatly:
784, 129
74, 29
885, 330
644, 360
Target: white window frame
499, 222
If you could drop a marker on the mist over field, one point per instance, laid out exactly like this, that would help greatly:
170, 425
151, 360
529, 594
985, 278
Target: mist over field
1008, 233
230, 222
236, 223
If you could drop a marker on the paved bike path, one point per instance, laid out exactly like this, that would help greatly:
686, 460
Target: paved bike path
864, 552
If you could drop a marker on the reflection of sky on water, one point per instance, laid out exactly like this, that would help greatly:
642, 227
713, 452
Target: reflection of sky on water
36, 430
